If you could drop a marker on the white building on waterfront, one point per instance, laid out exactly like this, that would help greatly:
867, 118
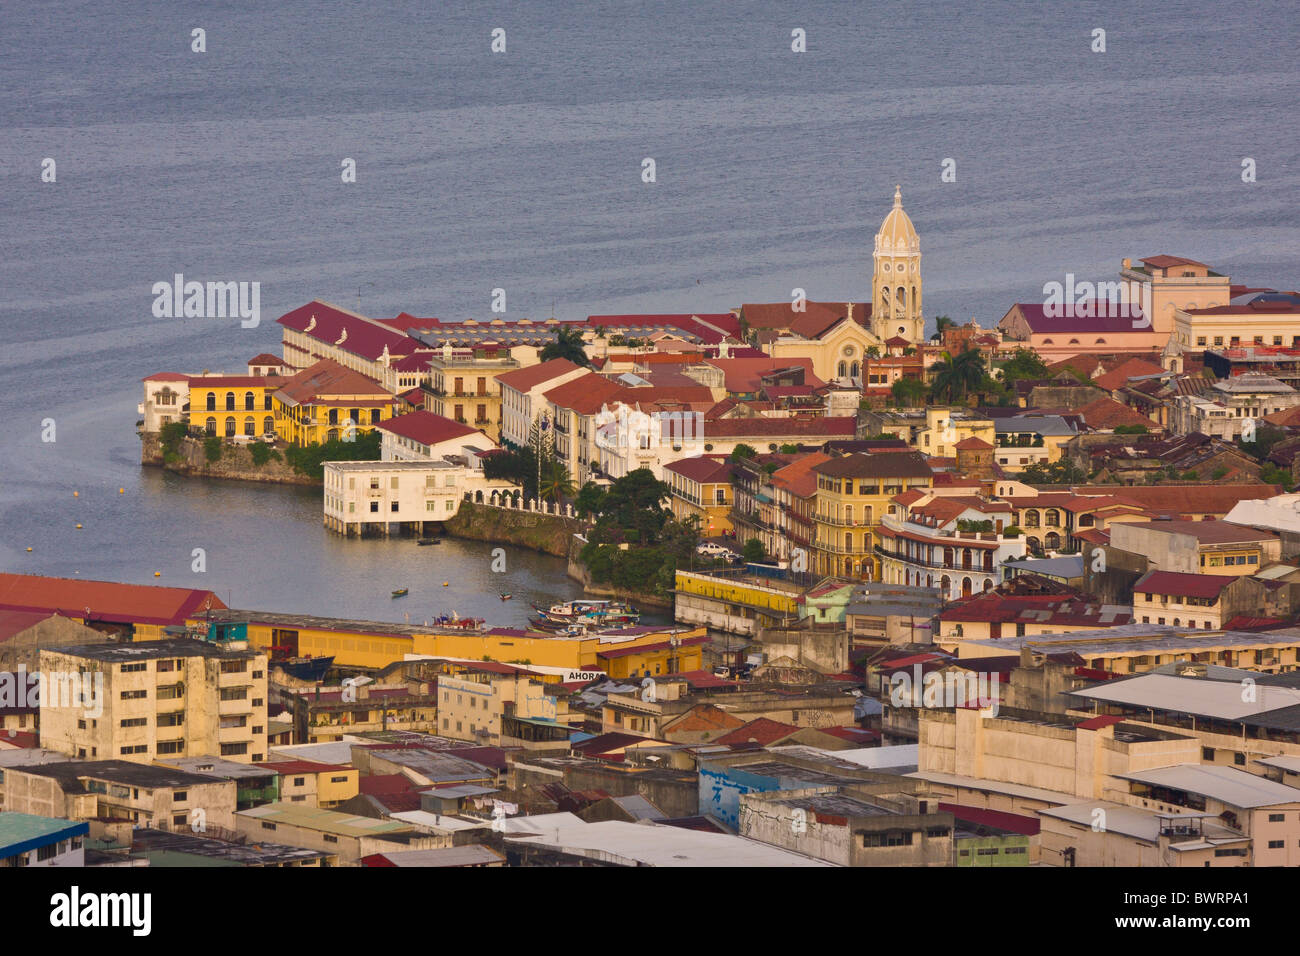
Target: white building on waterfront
390, 496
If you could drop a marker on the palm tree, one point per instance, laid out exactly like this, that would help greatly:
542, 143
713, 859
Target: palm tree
556, 483
955, 378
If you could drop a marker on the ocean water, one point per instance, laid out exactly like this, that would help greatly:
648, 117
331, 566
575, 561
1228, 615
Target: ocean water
522, 171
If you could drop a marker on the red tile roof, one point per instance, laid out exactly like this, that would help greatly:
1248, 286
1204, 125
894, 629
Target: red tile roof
745, 374
586, 394
762, 731
107, 600
1164, 262
705, 469
1105, 413
384, 783
266, 358
426, 428
166, 377
365, 337
328, 379
236, 381
998, 819
526, 379
1078, 322
1181, 584
1132, 368
973, 444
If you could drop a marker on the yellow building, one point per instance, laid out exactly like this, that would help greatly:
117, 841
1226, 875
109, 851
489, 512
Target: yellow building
316, 784
701, 489
945, 427
465, 385
230, 405
327, 402
853, 494
376, 644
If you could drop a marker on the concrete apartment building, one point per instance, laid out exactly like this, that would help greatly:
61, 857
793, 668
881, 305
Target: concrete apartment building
148, 796
493, 709
848, 828
163, 698
1198, 547
328, 831
464, 384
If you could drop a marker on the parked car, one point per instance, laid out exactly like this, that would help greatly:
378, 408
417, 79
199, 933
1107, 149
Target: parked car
711, 548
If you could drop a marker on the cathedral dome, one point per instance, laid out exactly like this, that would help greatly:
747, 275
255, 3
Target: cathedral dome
897, 235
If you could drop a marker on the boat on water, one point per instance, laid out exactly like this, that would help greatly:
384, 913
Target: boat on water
505, 596
401, 592
589, 612
425, 542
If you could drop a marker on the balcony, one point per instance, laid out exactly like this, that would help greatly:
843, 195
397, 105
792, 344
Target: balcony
865, 522
226, 708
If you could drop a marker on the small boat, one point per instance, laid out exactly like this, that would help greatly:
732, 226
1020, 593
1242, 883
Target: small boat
306, 668
505, 596
401, 592
424, 542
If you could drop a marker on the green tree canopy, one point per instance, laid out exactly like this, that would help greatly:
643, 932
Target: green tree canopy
567, 345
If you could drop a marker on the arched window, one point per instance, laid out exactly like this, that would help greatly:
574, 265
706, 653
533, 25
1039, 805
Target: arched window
947, 557
1053, 541
1034, 545
212, 401
332, 435
902, 298
334, 416
966, 587
848, 540
250, 426
913, 296
266, 405
988, 584
211, 426
1087, 520
1031, 518
268, 425
842, 370
230, 426
945, 584
1052, 518
249, 402
230, 401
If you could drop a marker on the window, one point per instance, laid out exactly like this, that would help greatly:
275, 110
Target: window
1276, 844
133, 722
134, 694
338, 779
374, 507
267, 826
47, 852
171, 746
331, 838
179, 819
1276, 817
132, 668
299, 781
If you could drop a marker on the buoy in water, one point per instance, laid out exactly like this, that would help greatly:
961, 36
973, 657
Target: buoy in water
76, 494
78, 527
29, 549
121, 491
446, 583
157, 574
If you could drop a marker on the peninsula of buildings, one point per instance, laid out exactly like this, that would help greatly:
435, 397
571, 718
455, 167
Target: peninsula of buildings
943, 595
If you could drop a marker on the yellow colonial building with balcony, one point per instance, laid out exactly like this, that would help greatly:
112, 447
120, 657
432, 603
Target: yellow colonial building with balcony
327, 402
230, 405
464, 385
853, 495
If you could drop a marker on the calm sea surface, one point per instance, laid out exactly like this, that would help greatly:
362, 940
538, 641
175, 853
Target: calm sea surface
522, 171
